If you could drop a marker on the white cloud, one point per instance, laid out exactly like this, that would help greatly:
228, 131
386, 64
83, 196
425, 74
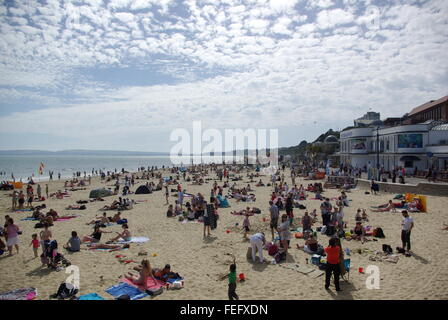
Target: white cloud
330, 18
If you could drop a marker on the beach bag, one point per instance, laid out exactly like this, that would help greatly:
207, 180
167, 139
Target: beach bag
378, 233
272, 249
302, 207
387, 249
83, 207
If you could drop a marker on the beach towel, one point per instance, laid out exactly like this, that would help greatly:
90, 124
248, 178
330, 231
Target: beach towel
19, 294
151, 283
91, 296
316, 273
135, 240
28, 219
22, 210
124, 288
65, 218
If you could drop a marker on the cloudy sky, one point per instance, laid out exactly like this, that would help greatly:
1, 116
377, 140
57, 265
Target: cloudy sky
122, 74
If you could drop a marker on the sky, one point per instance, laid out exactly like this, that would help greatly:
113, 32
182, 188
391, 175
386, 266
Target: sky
123, 74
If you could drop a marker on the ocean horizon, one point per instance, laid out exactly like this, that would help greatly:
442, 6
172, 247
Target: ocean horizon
27, 165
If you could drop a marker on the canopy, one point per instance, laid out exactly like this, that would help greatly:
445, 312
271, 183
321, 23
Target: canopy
142, 190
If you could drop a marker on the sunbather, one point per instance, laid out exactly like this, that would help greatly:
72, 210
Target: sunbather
125, 235
145, 271
112, 247
390, 207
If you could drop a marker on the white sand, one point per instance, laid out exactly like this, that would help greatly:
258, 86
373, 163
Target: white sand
423, 276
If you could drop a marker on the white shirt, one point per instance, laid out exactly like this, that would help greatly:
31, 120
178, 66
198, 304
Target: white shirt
407, 222
257, 237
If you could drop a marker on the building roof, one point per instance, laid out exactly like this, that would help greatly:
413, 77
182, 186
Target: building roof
441, 127
428, 105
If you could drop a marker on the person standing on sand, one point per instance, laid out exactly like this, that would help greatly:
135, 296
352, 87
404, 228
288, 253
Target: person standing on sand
45, 236
12, 232
166, 194
46, 190
15, 198
333, 259
407, 225
273, 209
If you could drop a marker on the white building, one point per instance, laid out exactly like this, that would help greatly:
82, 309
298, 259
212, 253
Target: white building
422, 145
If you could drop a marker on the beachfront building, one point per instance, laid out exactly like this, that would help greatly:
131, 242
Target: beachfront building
420, 146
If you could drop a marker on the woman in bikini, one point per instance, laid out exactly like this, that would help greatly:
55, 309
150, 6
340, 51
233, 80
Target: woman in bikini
145, 271
125, 235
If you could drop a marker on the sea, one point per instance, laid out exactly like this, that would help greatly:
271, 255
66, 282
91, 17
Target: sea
25, 166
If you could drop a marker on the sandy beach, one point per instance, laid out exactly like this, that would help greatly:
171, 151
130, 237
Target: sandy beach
202, 261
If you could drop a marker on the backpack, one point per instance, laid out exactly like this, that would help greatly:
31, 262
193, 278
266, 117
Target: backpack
378, 233
387, 249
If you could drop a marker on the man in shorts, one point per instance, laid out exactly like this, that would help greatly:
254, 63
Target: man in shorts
273, 209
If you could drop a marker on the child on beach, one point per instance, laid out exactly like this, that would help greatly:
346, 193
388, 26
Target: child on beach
246, 225
35, 243
232, 281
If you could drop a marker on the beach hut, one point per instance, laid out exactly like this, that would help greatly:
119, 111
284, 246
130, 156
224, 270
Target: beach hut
100, 193
142, 190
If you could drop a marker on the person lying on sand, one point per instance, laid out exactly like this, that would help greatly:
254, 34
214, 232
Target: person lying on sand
389, 207
112, 247
445, 227
102, 220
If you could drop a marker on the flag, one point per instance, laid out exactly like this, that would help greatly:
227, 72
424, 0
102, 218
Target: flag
41, 168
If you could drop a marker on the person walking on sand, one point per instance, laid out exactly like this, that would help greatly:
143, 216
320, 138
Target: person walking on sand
39, 191
407, 225
46, 190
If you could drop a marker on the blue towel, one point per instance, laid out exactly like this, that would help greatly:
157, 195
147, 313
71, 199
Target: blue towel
124, 288
91, 296
28, 218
